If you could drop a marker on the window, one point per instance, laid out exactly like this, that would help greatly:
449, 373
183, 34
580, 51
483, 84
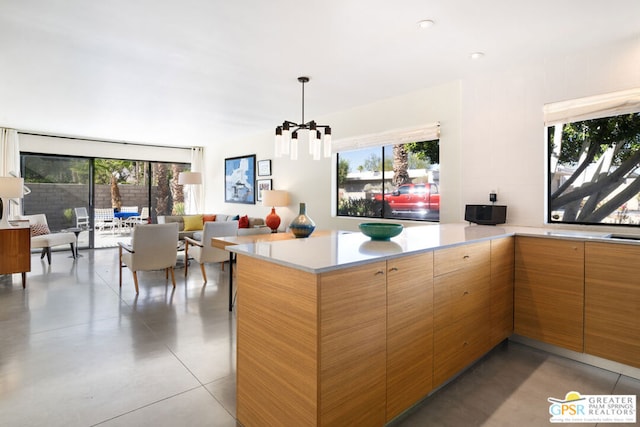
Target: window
392, 181
594, 160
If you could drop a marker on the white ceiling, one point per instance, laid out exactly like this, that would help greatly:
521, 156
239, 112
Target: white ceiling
198, 72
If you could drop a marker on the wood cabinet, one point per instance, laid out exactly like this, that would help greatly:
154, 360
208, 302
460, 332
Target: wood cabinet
502, 275
612, 302
409, 331
15, 247
311, 348
462, 307
549, 291
352, 365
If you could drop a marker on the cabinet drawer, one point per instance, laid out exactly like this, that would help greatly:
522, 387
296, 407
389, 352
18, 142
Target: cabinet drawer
459, 344
458, 295
461, 257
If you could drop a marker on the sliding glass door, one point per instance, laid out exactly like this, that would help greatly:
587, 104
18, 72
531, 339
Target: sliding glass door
115, 194
59, 187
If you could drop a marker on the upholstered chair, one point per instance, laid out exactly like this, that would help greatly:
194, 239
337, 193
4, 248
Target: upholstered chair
153, 247
202, 252
42, 237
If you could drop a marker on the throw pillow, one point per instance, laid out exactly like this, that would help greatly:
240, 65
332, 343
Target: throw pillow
235, 218
192, 222
243, 222
208, 218
39, 229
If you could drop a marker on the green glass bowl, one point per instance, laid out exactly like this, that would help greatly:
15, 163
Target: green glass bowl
380, 230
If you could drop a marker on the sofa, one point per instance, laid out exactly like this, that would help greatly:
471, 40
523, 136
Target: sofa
192, 225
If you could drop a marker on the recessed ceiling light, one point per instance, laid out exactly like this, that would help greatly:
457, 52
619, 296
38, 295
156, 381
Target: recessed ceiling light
476, 55
425, 23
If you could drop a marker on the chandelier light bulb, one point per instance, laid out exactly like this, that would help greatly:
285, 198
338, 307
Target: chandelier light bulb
327, 142
277, 149
294, 146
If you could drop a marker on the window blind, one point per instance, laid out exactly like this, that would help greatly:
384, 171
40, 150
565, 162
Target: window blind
592, 107
428, 132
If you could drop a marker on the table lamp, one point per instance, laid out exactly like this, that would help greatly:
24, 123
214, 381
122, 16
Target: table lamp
10, 188
274, 198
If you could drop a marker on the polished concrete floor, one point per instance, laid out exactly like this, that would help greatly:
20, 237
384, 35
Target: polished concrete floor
75, 350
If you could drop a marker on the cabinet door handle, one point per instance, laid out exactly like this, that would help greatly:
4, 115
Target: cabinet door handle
393, 269
379, 272
466, 257
465, 293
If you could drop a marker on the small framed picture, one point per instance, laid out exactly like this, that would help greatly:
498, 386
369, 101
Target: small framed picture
262, 184
264, 167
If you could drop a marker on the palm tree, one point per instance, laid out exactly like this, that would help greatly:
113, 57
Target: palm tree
400, 165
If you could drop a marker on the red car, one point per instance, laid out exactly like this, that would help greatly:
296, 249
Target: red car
417, 198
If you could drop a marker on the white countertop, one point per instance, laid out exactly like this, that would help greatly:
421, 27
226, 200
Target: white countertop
340, 249
344, 249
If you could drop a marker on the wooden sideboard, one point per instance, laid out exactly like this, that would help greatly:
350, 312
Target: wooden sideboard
15, 247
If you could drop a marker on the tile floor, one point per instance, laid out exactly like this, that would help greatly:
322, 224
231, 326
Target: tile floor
75, 350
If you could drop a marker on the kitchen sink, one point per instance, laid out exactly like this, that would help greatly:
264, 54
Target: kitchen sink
622, 236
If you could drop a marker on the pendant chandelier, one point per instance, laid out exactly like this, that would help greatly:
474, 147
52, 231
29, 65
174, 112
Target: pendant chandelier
286, 141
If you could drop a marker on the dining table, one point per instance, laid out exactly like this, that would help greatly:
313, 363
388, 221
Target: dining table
122, 217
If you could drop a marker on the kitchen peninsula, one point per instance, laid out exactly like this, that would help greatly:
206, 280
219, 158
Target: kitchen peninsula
339, 329
342, 330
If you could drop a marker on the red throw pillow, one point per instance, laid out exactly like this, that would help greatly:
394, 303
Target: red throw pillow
243, 222
39, 229
208, 218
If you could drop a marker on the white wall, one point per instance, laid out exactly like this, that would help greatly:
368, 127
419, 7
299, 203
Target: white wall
311, 181
492, 136
503, 130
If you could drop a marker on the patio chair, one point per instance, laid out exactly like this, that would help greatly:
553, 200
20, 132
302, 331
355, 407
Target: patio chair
153, 247
104, 218
42, 237
144, 216
130, 221
82, 217
202, 252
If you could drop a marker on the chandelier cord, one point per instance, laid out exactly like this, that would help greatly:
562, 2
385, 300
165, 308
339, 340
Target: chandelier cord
303, 80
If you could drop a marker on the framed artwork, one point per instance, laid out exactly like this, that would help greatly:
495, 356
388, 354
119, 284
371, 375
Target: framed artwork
239, 179
264, 167
262, 184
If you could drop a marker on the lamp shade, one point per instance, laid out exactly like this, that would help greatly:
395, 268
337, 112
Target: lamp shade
275, 198
11, 188
190, 178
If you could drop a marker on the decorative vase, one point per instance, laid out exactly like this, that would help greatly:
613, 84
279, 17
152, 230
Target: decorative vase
273, 221
302, 225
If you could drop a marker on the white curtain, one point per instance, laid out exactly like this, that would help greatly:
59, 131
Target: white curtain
10, 161
196, 201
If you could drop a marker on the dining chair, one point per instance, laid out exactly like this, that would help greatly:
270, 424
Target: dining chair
153, 247
202, 252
